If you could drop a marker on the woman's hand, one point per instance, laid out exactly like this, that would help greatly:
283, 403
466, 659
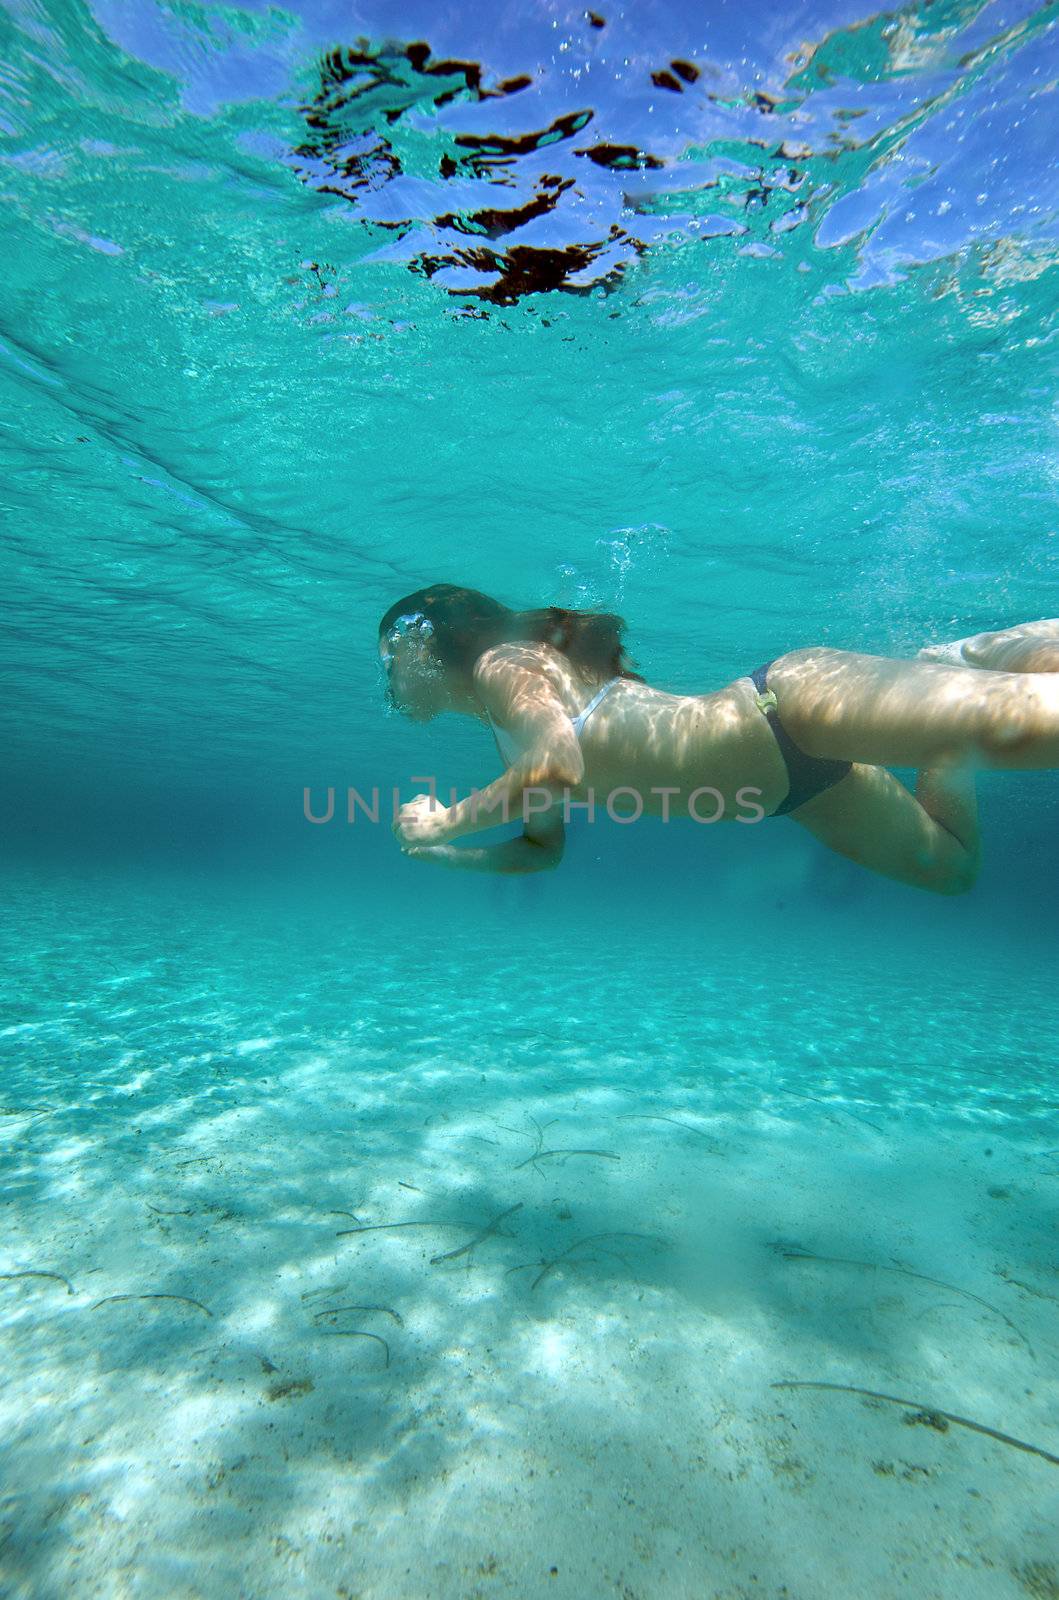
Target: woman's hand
421, 821
442, 855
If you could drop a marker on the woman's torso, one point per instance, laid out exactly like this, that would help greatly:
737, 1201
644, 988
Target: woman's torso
663, 747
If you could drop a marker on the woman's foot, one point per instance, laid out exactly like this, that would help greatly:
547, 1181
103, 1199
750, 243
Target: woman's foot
1030, 647
949, 655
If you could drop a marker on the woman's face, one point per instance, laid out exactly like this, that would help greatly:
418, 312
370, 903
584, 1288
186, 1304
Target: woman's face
413, 677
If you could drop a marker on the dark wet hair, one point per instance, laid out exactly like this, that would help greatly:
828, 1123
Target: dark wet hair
465, 623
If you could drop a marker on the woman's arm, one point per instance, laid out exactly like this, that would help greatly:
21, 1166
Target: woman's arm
513, 855
513, 688
519, 695
538, 848
535, 777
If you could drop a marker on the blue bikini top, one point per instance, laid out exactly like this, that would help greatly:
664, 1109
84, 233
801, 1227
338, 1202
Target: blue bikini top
507, 746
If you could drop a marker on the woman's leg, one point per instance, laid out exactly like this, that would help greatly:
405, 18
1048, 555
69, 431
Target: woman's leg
928, 840
841, 705
1030, 647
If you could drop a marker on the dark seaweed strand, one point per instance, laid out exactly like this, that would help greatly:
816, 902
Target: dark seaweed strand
591, 1238
354, 1333
522, 1135
815, 1098
540, 1155
650, 1116
30, 1116
600, 1250
540, 1127
549, 1266
379, 1227
56, 1276
906, 1272
450, 1255
183, 1298
916, 1405
334, 1311
865, 1120
540, 1138
1040, 1294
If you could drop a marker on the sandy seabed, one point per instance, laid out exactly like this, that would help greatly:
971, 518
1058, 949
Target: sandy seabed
348, 1296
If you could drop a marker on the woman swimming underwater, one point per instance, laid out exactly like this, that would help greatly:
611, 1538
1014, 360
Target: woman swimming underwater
807, 735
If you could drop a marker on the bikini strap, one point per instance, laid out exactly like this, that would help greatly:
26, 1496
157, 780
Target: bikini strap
583, 716
806, 775
765, 697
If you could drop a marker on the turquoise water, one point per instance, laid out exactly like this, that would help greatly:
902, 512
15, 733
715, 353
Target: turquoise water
743, 327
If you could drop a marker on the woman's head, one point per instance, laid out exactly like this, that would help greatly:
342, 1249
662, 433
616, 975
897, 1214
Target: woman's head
431, 640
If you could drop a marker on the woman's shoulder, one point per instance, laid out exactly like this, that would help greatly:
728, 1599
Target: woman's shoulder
527, 653
521, 674
518, 663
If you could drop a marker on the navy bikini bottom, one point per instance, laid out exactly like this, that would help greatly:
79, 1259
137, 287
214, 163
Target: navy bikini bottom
808, 775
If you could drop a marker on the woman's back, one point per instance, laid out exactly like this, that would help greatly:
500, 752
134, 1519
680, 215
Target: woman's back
654, 748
